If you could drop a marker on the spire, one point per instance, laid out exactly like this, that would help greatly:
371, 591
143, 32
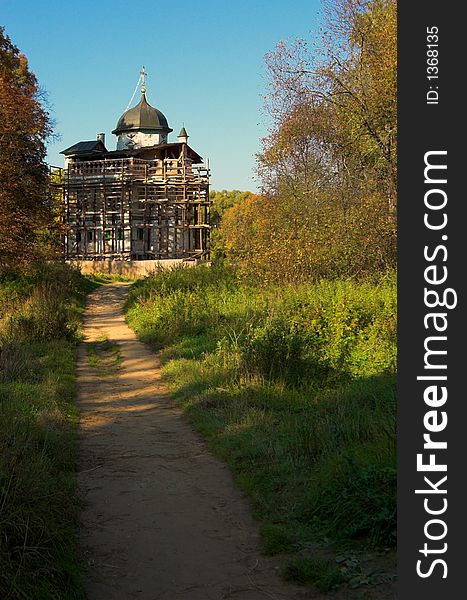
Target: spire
143, 80
183, 136
142, 77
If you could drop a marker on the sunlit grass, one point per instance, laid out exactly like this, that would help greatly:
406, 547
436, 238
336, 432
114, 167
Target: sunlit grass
294, 386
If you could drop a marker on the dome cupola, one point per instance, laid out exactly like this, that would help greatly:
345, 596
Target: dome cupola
142, 117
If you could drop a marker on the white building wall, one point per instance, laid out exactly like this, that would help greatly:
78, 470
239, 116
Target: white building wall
139, 139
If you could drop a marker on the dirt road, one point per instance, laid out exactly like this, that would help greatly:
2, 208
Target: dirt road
163, 519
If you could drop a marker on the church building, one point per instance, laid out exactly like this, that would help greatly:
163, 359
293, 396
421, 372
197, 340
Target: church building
147, 199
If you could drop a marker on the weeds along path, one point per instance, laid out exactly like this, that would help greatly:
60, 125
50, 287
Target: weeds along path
162, 518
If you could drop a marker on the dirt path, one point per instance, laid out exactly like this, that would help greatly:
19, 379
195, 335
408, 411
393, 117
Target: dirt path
163, 519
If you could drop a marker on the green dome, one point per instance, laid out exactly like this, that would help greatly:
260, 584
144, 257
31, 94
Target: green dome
142, 117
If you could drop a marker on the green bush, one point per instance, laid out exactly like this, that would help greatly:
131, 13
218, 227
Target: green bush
41, 305
273, 350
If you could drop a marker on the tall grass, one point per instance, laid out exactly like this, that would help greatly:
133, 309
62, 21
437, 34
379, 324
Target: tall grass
39, 324
294, 387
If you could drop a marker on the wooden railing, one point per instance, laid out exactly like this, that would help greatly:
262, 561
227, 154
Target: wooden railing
134, 167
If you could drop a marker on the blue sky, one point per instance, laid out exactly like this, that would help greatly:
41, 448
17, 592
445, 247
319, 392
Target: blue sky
204, 60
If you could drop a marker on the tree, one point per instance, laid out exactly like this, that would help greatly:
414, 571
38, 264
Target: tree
344, 90
24, 127
328, 165
221, 202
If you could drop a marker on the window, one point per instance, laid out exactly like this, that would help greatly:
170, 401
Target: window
107, 235
78, 236
140, 234
119, 233
90, 236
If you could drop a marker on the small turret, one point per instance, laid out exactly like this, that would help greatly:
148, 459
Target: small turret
183, 136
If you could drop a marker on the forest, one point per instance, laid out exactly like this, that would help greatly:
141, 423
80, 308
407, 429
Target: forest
281, 351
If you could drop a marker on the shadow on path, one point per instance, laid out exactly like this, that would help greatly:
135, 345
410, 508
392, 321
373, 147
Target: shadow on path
163, 519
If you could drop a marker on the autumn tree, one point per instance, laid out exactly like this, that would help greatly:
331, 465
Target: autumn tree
328, 165
24, 128
222, 201
342, 91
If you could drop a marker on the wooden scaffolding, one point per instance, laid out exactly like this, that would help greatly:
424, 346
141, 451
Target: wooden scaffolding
134, 208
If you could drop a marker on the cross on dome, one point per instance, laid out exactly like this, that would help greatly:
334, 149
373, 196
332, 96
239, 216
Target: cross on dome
143, 74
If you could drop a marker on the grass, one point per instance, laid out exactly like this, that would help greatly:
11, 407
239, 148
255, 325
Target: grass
100, 278
39, 329
293, 386
104, 356
317, 570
